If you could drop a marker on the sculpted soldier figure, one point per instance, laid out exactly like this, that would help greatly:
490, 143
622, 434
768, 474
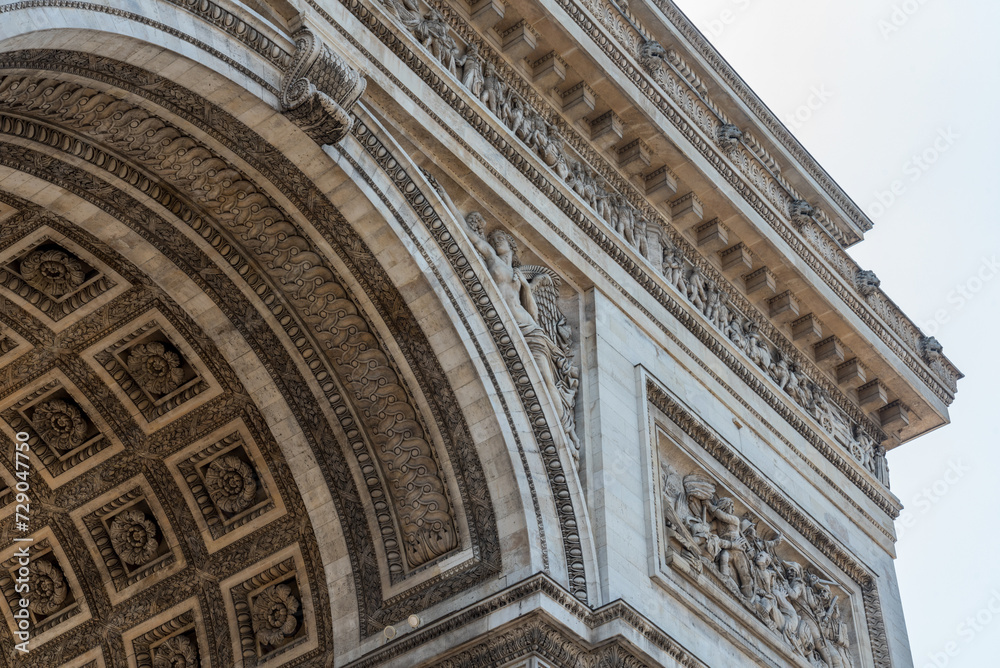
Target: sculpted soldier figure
732, 558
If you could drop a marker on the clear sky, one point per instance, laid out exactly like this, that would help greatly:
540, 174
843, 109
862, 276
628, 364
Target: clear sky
906, 92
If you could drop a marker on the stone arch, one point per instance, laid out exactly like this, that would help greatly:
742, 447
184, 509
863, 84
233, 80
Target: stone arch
131, 192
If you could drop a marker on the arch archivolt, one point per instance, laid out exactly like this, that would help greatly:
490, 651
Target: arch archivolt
304, 320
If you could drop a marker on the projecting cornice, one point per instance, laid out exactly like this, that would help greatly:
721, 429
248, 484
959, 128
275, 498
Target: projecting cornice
749, 153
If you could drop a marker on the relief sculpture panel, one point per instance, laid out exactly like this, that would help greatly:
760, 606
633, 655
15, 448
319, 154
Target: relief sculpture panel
727, 548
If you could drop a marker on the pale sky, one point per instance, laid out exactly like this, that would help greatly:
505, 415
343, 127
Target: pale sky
906, 91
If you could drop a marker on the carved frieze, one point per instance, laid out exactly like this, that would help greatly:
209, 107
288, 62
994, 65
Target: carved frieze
708, 532
716, 525
541, 137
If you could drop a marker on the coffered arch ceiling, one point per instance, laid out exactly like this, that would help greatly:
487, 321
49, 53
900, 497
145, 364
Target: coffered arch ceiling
232, 407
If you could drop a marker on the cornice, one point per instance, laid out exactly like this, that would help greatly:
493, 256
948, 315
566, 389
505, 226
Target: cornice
756, 166
538, 585
649, 281
758, 174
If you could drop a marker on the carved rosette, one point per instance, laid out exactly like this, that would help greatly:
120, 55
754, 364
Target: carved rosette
176, 652
52, 272
319, 89
156, 369
60, 424
274, 615
133, 536
48, 588
230, 482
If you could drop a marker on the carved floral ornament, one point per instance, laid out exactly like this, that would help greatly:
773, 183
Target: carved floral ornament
273, 614
230, 482
49, 589
61, 424
52, 272
416, 482
133, 536
176, 652
156, 369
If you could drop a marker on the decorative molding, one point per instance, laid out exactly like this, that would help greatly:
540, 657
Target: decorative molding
511, 152
497, 328
631, 37
226, 130
421, 502
687, 116
209, 11
804, 525
514, 597
319, 88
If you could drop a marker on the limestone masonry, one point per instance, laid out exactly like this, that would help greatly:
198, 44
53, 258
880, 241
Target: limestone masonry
462, 333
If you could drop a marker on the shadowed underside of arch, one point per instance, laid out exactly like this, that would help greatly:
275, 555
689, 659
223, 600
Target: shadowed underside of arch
183, 343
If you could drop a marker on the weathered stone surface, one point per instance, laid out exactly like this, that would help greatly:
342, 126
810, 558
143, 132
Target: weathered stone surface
378, 335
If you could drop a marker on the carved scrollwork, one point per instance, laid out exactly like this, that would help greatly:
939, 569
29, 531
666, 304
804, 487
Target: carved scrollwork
48, 588
274, 613
319, 88
133, 536
61, 424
